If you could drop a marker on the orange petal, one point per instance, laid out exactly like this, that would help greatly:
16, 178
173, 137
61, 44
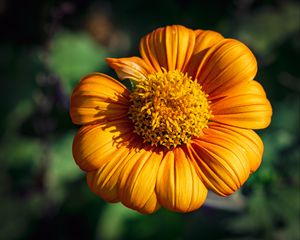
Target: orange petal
247, 139
151, 205
103, 181
248, 109
133, 68
95, 145
98, 98
170, 47
204, 41
178, 186
222, 165
137, 181
255, 88
225, 65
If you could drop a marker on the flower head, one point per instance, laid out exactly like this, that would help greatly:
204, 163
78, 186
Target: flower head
186, 127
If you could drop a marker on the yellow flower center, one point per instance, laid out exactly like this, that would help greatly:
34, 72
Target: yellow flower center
168, 108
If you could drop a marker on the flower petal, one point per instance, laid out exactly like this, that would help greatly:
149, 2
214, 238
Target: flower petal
204, 41
255, 88
95, 145
151, 205
178, 186
247, 139
170, 47
133, 68
103, 181
137, 181
225, 65
98, 98
222, 165
248, 107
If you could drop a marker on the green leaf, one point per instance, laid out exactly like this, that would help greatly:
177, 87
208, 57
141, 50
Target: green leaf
62, 168
287, 115
17, 151
268, 27
112, 222
73, 55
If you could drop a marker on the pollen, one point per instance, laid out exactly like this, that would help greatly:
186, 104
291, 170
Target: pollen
168, 108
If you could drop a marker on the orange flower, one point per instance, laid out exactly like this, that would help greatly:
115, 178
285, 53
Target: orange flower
185, 128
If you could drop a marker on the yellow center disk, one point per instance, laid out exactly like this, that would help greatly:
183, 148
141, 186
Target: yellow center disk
168, 108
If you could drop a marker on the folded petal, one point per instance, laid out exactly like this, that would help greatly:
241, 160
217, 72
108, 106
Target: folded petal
178, 186
137, 180
225, 65
222, 165
247, 139
98, 98
246, 107
95, 145
133, 68
170, 47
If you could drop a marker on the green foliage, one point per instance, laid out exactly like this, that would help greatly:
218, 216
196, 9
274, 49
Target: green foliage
73, 55
18, 69
267, 28
61, 169
115, 228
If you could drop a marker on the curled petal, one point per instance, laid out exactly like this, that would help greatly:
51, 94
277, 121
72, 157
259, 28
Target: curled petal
98, 98
247, 139
247, 107
133, 68
137, 181
225, 65
95, 145
222, 165
170, 47
178, 186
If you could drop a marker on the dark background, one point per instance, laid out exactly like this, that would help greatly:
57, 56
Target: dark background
47, 46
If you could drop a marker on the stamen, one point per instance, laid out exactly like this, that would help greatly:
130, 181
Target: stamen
169, 108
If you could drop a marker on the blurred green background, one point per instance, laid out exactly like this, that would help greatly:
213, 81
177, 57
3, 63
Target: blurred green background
47, 46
